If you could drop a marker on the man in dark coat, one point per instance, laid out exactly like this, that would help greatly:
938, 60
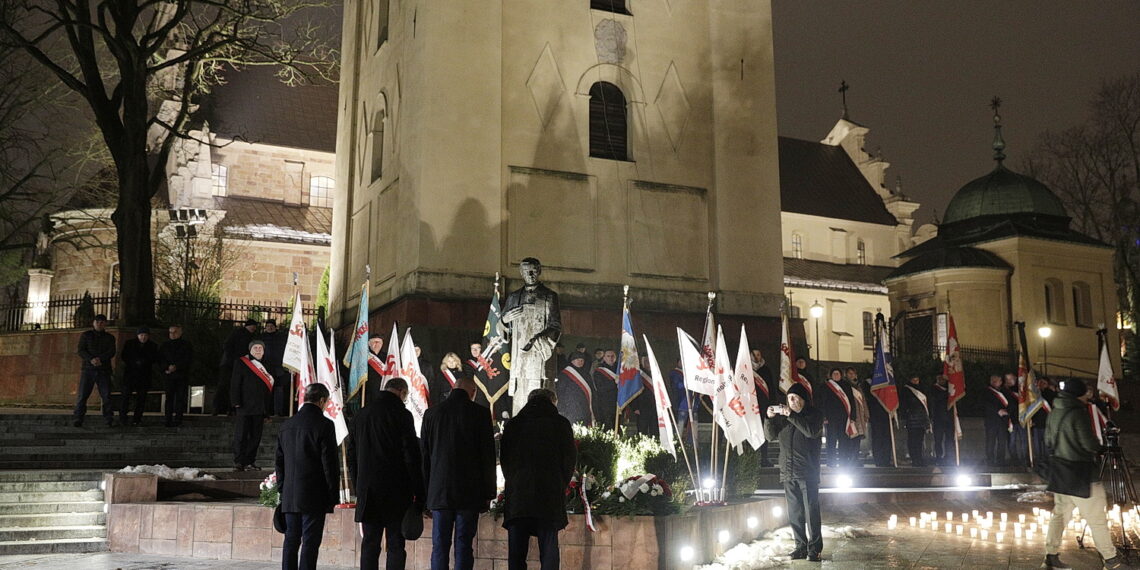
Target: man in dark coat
97, 349
767, 393
916, 417
605, 390
838, 408
139, 356
538, 456
880, 426
308, 477
275, 341
575, 391
175, 358
942, 422
1018, 441
235, 346
644, 406
995, 415
388, 474
459, 472
251, 391
1074, 475
798, 427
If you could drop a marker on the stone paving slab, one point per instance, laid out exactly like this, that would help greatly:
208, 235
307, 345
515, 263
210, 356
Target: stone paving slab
114, 561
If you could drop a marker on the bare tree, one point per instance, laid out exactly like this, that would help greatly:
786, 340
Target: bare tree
141, 66
1095, 169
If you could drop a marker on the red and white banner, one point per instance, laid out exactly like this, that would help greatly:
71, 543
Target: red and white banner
728, 405
1106, 380
329, 375
699, 374
661, 401
746, 387
417, 402
392, 365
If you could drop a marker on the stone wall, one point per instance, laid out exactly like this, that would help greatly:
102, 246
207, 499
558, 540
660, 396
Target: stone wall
263, 271
270, 172
41, 368
234, 531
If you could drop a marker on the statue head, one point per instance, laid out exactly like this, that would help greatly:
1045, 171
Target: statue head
530, 268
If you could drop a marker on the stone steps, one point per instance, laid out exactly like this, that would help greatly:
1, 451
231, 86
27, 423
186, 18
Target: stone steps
67, 546
52, 508
50, 475
53, 486
44, 512
52, 533
96, 517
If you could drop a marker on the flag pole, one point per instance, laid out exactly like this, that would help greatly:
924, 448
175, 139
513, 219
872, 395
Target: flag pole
1029, 437
294, 377
713, 439
624, 310
364, 384
891, 423
957, 436
684, 453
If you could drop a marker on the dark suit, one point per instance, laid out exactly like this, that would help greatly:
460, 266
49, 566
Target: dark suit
236, 345
180, 354
538, 457
274, 354
942, 422
835, 411
388, 473
95, 344
253, 400
997, 426
573, 402
459, 473
308, 476
138, 360
605, 396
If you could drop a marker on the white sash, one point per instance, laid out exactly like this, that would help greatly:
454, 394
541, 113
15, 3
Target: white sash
583, 385
921, 398
609, 373
451, 379
839, 393
1000, 397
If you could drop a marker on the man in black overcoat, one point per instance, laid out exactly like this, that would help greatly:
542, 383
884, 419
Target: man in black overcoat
995, 415
308, 476
798, 427
139, 356
275, 341
234, 347
459, 472
941, 420
389, 476
538, 456
251, 392
836, 403
575, 389
175, 358
97, 349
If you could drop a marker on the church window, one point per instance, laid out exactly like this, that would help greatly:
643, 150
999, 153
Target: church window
220, 178
795, 312
321, 191
1082, 304
1054, 302
868, 330
376, 146
614, 6
861, 252
381, 22
797, 246
608, 130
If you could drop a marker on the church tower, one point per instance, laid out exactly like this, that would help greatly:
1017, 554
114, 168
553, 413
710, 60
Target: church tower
618, 141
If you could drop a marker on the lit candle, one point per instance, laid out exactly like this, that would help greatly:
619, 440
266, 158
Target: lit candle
1029, 535
1036, 511
922, 523
974, 532
1004, 515
949, 516
986, 534
1020, 519
999, 536
949, 527
1017, 532
990, 515
1032, 527
974, 513
891, 524
1001, 525
958, 529
912, 521
965, 518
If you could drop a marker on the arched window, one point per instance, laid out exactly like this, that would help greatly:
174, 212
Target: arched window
1054, 302
608, 127
868, 330
615, 6
797, 246
220, 179
376, 146
321, 191
861, 252
1082, 304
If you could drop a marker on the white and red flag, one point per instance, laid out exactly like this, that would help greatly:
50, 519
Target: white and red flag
661, 400
699, 374
417, 402
789, 376
1106, 380
298, 358
329, 375
392, 366
728, 407
746, 387
952, 367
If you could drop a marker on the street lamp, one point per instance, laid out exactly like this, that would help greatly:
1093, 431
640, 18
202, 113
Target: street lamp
816, 312
1044, 331
186, 222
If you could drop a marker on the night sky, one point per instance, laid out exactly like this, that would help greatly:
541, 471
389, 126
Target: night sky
922, 75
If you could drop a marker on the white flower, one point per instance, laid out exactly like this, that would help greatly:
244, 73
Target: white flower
621, 499
644, 488
606, 495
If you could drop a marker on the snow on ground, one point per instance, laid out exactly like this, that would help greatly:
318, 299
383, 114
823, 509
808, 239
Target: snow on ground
164, 472
1035, 497
772, 551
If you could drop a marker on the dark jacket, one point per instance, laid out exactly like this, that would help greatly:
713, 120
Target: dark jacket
832, 406
799, 437
572, 401
236, 346
93, 344
764, 372
249, 391
308, 473
1074, 447
178, 352
991, 405
138, 359
275, 352
439, 386
538, 457
938, 397
458, 455
605, 397
915, 415
387, 459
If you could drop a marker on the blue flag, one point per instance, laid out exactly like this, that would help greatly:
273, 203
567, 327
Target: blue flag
883, 379
629, 380
356, 359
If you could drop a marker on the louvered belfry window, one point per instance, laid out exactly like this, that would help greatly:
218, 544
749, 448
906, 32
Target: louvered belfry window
608, 129
615, 6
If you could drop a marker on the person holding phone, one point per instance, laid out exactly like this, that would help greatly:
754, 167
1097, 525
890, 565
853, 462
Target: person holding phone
798, 426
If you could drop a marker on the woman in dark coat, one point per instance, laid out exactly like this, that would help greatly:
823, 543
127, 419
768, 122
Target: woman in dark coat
251, 394
388, 472
916, 418
538, 455
575, 390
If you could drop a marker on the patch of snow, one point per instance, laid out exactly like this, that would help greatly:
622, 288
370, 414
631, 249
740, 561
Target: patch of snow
271, 232
772, 551
1035, 497
834, 284
164, 472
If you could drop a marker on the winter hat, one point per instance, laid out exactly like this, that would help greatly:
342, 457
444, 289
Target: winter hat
143, 330
799, 390
1075, 387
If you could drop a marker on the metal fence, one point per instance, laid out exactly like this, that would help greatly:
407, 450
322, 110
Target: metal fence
77, 311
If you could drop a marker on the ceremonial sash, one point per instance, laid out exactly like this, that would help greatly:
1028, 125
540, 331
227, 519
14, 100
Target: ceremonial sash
474, 364
921, 398
1045, 405
377, 365
850, 428
760, 383
450, 376
259, 371
609, 373
1004, 405
583, 385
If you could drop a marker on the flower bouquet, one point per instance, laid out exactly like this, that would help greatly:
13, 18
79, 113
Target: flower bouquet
581, 485
639, 495
270, 495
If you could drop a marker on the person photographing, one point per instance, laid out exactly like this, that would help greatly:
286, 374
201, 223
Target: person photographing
798, 426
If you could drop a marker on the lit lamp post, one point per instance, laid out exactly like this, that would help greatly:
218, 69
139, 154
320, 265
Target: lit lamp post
1044, 331
186, 222
817, 312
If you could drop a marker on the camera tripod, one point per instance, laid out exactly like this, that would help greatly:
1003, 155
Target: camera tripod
1118, 487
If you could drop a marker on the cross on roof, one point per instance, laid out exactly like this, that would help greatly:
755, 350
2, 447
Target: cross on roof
843, 87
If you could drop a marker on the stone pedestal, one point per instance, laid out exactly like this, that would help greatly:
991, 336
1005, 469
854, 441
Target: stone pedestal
39, 292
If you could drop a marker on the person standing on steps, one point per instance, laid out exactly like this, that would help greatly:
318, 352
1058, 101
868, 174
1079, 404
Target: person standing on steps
251, 392
97, 349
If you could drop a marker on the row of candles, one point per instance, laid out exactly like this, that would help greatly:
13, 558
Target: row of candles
985, 524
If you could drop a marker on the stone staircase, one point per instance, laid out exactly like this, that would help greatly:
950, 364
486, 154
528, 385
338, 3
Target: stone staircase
44, 512
50, 472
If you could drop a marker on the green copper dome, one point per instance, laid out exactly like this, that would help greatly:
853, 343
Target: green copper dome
1003, 192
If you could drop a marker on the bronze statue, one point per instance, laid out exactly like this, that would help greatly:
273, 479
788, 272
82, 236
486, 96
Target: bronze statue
531, 315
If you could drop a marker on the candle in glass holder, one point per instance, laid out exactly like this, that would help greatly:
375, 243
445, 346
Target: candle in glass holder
990, 515
1005, 515
949, 516
922, 523
1017, 531
974, 513
949, 527
999, 536
892, 524
1032, 527
1001, 525
1029, 535
959, 529
974, 532
1020, 519
1036, 511
912, 521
